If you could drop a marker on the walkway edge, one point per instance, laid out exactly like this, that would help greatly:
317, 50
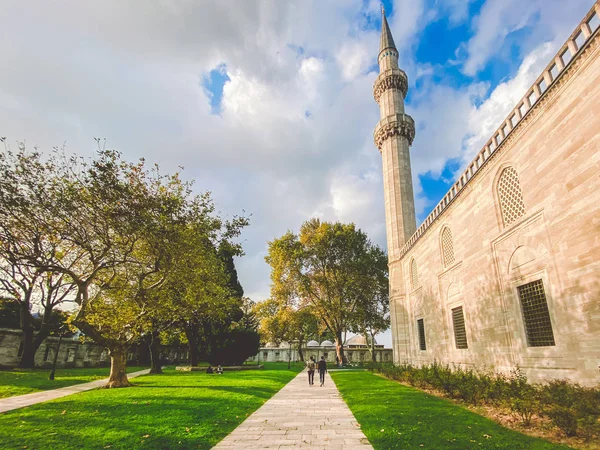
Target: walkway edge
21, 401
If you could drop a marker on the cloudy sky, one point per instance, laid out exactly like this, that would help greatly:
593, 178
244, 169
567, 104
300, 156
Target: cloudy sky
268, 104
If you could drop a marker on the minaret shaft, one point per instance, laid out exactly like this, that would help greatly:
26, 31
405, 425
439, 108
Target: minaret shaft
393, 136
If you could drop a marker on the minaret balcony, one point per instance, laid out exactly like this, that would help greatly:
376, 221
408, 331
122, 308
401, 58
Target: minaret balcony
390, 79
394, 125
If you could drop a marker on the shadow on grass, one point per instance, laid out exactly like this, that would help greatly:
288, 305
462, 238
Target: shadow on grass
255, 391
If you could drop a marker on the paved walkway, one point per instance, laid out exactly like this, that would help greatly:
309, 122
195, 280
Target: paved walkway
20, 401
299, 416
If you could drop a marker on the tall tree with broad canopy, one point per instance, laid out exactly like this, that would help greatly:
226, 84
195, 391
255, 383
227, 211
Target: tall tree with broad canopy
333, 268
113, 229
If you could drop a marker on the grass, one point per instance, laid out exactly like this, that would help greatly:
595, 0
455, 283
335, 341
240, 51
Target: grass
175, 410
25, 381
394, 416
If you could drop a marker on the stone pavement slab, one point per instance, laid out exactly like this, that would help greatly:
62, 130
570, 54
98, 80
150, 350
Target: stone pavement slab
20, 401
299, 416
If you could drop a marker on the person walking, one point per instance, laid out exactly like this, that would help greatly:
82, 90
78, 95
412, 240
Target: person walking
310, 365
322, 366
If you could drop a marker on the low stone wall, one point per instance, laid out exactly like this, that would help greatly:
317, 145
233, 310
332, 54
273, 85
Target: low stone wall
74, 353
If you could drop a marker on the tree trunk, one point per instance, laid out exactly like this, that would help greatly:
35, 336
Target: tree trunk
371, 347
44, 331
300, 352
155, 363
118, 367
339, 348
28, 352
191, 333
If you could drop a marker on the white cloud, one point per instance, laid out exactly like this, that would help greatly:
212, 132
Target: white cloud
499, 18
132, 72
485, 119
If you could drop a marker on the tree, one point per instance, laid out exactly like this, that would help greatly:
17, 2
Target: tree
249, 321
281, 322
332, 268
25, 239
232, 348
226, 253
373, 317
112, 229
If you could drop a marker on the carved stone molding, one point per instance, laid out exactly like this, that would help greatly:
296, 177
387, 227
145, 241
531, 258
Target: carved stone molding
395, 125
390, 79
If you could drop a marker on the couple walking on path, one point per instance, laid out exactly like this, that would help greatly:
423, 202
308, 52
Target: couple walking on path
311, 365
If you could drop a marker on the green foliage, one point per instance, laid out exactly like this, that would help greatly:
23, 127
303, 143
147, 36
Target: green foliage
135, 248
565, 419
394, 416
232, 348
175, 410
9, 314
334, 269
226, 254
572, 408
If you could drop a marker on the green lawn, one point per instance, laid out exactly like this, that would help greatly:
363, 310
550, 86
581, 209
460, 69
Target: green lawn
394, 416
25, 381
175, 410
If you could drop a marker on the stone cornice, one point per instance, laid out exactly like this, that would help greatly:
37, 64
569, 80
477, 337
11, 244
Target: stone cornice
394, 125
390, 79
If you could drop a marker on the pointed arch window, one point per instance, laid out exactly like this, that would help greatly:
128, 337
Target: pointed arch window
510, 196
414, 274
447, 247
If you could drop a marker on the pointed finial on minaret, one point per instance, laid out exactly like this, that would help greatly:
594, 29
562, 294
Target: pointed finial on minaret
387, 41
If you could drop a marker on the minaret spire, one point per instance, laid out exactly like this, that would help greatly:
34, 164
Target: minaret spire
387, 41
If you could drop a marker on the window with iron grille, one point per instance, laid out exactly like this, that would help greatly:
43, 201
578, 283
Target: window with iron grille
421, 327
538, 327
414, 274
447, 247
460, 332
510, 196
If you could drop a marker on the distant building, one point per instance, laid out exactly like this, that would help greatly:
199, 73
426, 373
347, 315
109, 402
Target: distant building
356, 350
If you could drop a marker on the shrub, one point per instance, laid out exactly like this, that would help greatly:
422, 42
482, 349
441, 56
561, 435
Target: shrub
526, 404
569, 406
587, 407
565, 419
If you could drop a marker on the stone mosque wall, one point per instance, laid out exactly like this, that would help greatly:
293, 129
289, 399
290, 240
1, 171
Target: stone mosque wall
505, 271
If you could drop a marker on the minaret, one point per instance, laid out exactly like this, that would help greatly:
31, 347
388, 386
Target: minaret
393, 136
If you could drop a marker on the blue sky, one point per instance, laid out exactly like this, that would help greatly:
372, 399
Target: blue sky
440, 46
268, 104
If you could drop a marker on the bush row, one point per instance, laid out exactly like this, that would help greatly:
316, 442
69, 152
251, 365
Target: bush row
572, 408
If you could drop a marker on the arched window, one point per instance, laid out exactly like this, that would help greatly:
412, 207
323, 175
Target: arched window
447, 247
414, 274
509, 194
